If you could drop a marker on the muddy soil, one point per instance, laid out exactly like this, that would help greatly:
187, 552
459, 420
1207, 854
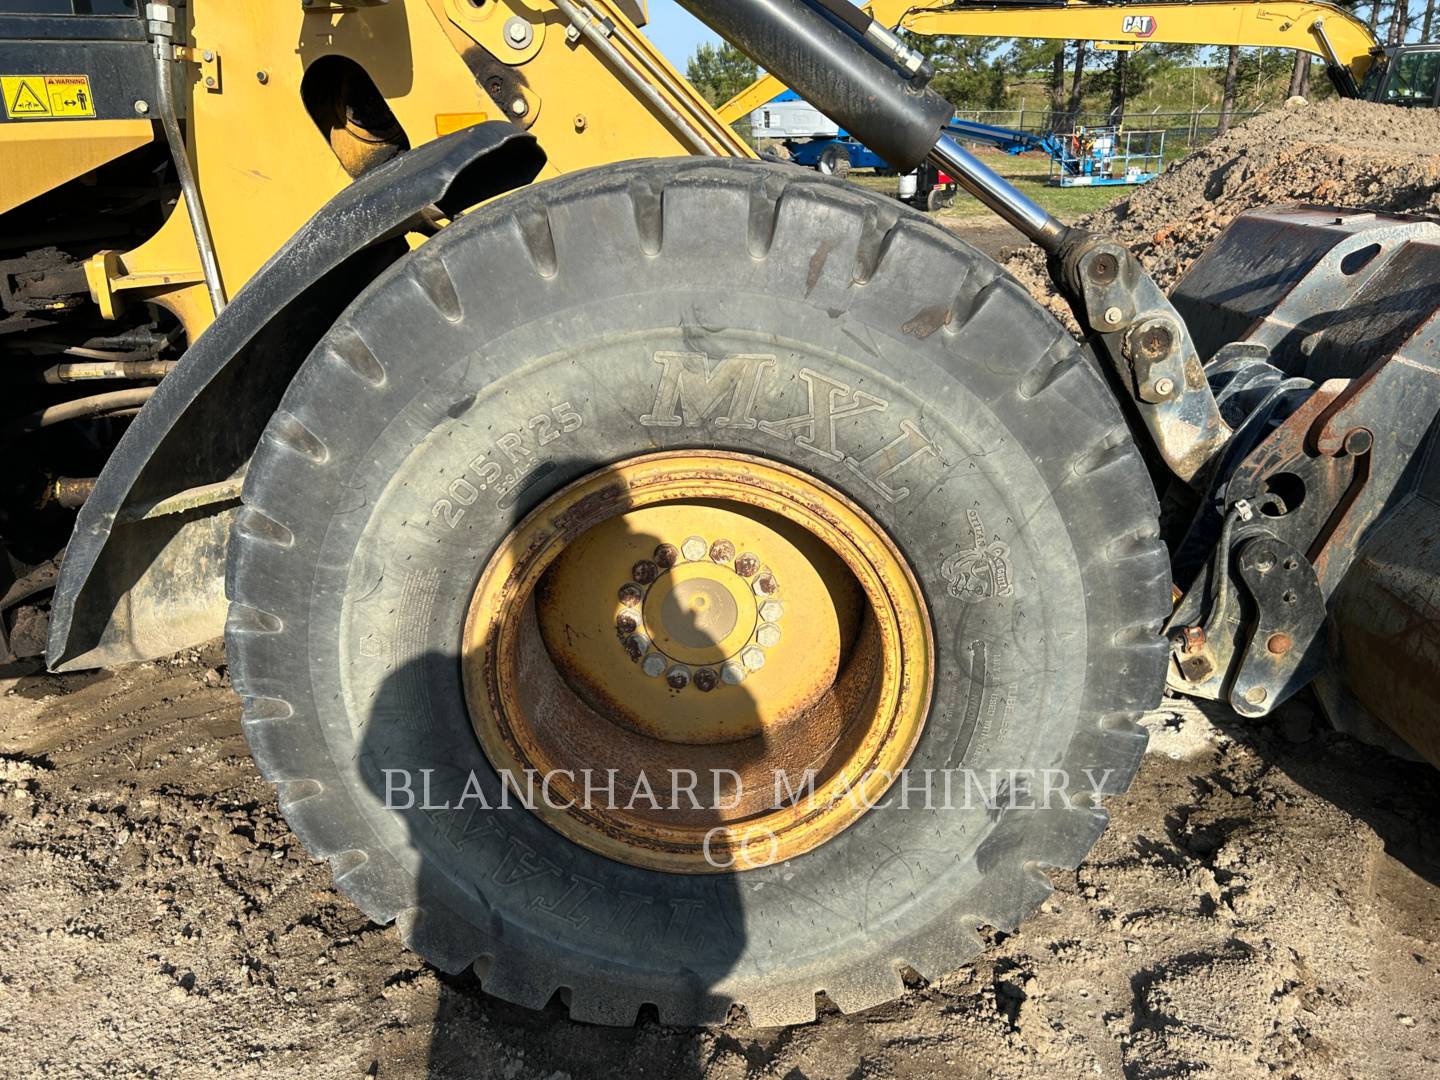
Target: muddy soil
1264, 904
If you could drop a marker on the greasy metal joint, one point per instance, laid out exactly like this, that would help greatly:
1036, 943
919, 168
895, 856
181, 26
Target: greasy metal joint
1133, 323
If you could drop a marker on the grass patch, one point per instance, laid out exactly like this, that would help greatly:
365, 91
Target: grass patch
1029, 173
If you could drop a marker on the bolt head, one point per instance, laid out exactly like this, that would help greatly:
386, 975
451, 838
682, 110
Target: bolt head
1256, 695
722, 551
142, 106
1113, 315
706, 680
771, 610
1279, 644
654, 665
678, 677
768, 636
636, 647
753, 657
1359, 441
766, 585
747, 565
519, 106
262, 77
209, 80
733, 674
208, 55
1165, 387
581, 123
517, 31
694, 549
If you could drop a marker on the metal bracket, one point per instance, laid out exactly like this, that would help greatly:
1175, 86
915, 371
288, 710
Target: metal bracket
1286, 647
1150, 349
208, 61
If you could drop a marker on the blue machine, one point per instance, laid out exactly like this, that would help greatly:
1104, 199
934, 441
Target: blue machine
1095, 156
809, 137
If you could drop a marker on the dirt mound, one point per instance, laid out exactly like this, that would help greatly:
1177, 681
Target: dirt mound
1340, 153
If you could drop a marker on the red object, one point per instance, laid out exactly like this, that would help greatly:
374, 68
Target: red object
943, 179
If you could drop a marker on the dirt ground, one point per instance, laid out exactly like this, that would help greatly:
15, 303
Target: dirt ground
1264, 904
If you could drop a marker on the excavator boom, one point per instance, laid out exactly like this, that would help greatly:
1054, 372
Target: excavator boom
1345, 43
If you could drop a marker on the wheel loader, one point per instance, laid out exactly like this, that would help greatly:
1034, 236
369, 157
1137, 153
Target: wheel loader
629, 552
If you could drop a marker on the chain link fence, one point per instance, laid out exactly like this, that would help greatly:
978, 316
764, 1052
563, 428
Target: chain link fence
1183, 130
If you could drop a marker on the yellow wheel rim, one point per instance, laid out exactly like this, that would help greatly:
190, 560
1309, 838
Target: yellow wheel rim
707, 615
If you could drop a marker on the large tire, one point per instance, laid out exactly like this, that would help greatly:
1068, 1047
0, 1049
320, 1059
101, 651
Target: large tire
348, 592
835, 161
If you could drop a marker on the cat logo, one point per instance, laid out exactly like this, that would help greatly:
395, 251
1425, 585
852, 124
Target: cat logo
1140, 26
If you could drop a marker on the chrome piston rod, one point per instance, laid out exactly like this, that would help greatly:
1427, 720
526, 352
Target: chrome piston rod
997, 193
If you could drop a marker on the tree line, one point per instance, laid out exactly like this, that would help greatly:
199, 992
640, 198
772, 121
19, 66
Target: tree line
983, 73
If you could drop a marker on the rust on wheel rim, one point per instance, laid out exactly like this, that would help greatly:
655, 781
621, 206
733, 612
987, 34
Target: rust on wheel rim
700, 613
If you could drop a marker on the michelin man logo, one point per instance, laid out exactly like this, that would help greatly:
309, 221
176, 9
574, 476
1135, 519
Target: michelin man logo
983, 572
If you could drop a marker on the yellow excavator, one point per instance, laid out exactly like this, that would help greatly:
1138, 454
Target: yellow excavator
1358, 64
652, 575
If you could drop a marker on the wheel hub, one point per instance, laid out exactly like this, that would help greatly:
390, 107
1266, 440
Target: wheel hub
707, 614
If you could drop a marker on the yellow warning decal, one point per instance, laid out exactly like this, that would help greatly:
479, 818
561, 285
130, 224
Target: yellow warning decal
47, 97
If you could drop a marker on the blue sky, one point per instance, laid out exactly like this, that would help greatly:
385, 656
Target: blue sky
676, 31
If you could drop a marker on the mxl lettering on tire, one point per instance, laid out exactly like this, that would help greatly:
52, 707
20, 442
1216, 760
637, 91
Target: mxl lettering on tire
799, 362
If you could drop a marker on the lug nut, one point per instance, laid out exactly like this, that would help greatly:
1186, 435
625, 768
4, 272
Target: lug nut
678, 678
706, 680
667, 555
645, 572
636, 647
768, 636
654, 665
694, 549
631, 594
753, 657
733, 674
722, 551
766, 585
747, 565
771, 610
627, 624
